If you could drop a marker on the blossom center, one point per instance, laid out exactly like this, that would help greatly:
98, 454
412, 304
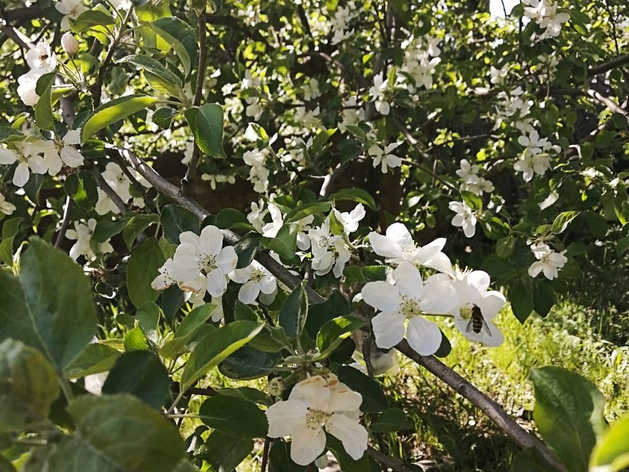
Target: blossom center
257, 275
316, 419
207, 263
410, 307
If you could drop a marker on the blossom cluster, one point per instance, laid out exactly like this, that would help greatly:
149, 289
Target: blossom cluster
545, 14
548, 261
537, 155
406, 297
472, 182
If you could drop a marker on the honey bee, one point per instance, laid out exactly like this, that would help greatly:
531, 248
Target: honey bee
477, 322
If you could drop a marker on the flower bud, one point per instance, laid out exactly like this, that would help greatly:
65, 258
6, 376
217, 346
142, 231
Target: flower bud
276, 386
69, 43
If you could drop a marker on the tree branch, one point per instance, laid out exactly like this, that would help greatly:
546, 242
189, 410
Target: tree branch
111, 193
432, 364
387, 461
65, 223
606, 66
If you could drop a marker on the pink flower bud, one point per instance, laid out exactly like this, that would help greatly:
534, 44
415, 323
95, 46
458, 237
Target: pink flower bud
69, 43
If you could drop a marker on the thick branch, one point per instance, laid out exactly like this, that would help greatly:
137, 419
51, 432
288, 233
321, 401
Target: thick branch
440, 370
23, 14
606, 66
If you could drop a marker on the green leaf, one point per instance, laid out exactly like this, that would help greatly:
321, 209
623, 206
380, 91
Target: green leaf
307, 209
561, 222
142, 268
374, 399
136, 225
612, 452
347, 463
215, 347
280, 458
28, 386
505, 246
294, 312
568, 414
147, 12
473, 201
332, 333
355, 195
94, 359
176, 220
181, 38
224, 452
6, 466
246, 249
234, 417
186, 331
43, 108
135, 340
231, 218
114, 111
53, 314
529, 460
285, 242
108, 229
81, 187
163, 117
148, 316
522, 302
139, 373
160, 78
249, 363
335, 306
390, 421
89, 19
206, 123
117, 433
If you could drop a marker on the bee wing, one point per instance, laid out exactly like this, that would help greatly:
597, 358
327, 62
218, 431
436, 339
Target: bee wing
486, 326
470, 325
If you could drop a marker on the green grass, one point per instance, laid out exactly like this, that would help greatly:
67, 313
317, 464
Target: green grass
454, 436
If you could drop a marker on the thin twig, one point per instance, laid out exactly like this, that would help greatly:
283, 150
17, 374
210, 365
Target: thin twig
387, 461
265, 454
111, 193
65, 223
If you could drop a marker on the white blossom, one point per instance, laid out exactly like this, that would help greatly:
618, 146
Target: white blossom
408, 300
377, 94
27, 87
311, 90
71, 9
548, 261
83, 233
256, 279
329, 252
351, 114
69, 43
27, 162
316, 406
350, 220
41, 58
384, 157
464, 218
6, 207
256, 215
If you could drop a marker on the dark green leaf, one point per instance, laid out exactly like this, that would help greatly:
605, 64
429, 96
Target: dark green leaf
206, 123
136, 225
107, 229
249, 363
246, 249
163, 80
28, 386
89, 19
176, 220
374, 399
280, 458
94, 359
230, 217
181, 37
390, 421
332, 333
505, 246
355, 195
521, 299
43, 109
294, 312
142, 374
224, 452
234, 417
186, 331
56, 314
285, 243
529, 460
307, 209
118, 433
215, 347
81, 187
142, 268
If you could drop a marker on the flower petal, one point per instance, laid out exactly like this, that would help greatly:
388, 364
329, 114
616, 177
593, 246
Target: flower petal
226, 259
382, 296
388, 327
423, 336
313, 392
342, 398
352, 434
384, 245
307, 445
249, 292
211, 240
216, 283
491, 304
285, 417
408, 280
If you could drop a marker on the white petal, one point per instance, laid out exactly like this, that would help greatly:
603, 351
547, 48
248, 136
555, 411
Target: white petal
211, 240
313, 392
307, 445
441, 298
400, 234
382, 296
7, 156
351, 433
388, 329
216, 283
343, 398
491, 304
423, 336
408, 280
384, 245
226, 259
21, 175
479, 280
249, 292
240, 276
285, 417
536, 268
71, 156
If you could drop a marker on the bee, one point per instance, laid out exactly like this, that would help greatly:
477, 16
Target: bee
477, 322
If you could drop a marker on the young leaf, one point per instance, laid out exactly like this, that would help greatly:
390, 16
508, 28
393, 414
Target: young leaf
215, 347
176, 220
114, 111
374, 399
94, 359
285, 242
390, 421
332, 333
613, 450
357, 195
186, 331
206, 123
43, 109
225, 452
167, 81
181, 37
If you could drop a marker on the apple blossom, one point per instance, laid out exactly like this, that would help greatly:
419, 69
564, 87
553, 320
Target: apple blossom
384, 157
548, 261
398, 246
329, 252
256, 280
203, 259
27, 86
377, 94
465, 218
69, 43
41, 58
350, 220
6, 208
256, 215
316, 406
83, 233
71, 9
408, 300
26, 162
311, 90
352, 115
